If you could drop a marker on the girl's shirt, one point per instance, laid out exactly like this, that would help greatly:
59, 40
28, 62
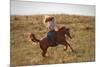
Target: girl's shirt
51, 25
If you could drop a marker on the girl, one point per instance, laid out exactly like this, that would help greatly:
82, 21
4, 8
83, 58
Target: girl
49, 21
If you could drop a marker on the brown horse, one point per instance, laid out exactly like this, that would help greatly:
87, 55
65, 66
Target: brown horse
61, 39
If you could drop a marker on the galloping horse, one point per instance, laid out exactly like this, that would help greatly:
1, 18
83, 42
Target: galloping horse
61, 39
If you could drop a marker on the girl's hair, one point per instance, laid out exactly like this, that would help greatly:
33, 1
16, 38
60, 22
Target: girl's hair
48, 18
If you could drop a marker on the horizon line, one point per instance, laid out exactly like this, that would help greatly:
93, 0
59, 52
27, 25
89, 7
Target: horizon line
48, 14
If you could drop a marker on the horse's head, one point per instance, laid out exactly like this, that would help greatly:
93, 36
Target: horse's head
66, 31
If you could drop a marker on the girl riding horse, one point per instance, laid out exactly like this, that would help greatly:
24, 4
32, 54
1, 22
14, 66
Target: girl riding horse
53, 38
61, 40
49, 22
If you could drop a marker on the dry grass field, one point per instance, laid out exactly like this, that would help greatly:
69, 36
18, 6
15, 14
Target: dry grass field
23, 52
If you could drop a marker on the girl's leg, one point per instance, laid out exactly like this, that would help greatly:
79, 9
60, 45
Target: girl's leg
49, 37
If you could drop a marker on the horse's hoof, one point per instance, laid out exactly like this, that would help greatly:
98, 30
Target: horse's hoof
74, 51
43, 56
65, 49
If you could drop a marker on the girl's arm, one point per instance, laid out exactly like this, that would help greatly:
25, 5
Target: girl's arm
56, 28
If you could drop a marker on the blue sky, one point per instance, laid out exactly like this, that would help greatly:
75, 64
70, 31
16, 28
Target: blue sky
31, 8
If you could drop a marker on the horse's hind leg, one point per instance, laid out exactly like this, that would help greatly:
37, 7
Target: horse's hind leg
44, 52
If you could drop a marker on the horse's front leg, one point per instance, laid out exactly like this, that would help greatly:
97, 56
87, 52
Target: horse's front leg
69, 46
66, 44
66, 47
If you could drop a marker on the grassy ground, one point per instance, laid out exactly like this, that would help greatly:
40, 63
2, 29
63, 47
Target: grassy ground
24, 52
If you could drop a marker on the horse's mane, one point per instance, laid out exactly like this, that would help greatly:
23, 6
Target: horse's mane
63, 27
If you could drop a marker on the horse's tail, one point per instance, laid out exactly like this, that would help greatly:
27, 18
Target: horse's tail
32, 37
